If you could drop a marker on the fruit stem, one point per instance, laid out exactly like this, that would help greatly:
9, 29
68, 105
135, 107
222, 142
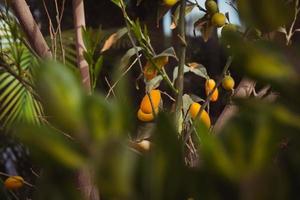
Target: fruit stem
182, 54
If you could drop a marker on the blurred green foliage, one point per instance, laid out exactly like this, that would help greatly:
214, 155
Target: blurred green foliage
255, 156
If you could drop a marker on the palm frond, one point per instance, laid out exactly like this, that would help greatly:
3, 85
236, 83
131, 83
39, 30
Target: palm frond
18, 101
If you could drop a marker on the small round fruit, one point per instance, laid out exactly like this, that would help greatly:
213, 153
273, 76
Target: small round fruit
170, 2
146, 106
194, 109
214, 96
211, 6
218, 20
229, 28
14, 182
228, 83
144, 145
209, 86
146, 117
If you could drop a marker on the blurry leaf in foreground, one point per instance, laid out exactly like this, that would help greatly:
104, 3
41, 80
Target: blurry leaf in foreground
98, 115
265, 14
115, 166
268, 66
61, 96
50, 146
260, 60
162, 172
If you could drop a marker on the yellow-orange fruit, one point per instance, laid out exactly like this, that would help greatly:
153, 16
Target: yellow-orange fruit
170, 2
194, 109
14, 182
146, 103
218, 20
215, 96
146, 117
228, 83
209, 85
150, 70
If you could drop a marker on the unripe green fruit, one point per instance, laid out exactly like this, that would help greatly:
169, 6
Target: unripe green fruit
218, 20
211, 6
229, 28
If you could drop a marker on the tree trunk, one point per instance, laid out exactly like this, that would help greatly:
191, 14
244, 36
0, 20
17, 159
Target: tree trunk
79, 22
84, 176
31, 28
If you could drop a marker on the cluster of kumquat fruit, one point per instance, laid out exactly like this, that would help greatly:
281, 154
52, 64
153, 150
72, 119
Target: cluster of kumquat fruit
210, 84
218, 19
227, 83
149, 105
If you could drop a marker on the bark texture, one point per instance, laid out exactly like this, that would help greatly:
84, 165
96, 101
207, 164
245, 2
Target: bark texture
30, 28
79, 23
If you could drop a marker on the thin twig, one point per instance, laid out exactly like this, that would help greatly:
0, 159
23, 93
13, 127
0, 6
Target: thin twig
58, 30
51, 28
169, 96
291, 32
110, 88
123, 74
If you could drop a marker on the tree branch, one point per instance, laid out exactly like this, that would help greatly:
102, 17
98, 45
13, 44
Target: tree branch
30, 28
79, 22
180, 78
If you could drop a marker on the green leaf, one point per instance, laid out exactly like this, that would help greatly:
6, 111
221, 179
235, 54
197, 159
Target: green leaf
175, 16
187, 101
98, 66
199, 70
48, 142
61, 94
126, 58
153, 83
114, 38
117, 2
175, 72
88, 57
170, 52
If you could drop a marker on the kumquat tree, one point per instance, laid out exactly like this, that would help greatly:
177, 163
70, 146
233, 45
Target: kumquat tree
149, 99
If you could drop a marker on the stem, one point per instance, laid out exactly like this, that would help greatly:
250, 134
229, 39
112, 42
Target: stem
79, 22
180, 78
290, 34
